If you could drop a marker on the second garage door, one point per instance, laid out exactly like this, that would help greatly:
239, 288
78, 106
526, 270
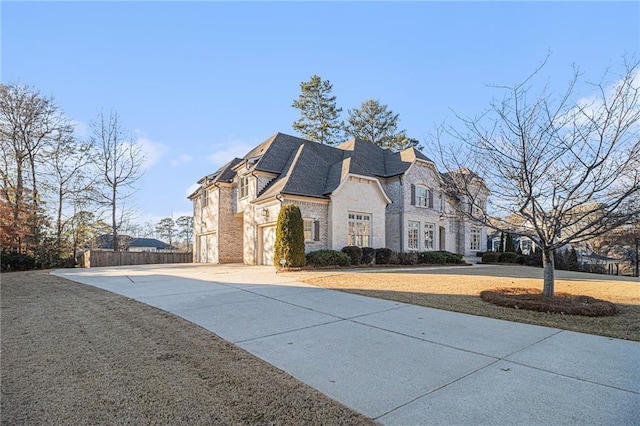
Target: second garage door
268, 243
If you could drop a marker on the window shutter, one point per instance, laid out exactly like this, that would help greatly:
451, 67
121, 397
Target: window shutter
316, 230
413, 195
430, 199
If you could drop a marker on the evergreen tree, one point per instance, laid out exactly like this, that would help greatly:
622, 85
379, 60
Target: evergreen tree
374, 122
320, 116
508, 245
289, 243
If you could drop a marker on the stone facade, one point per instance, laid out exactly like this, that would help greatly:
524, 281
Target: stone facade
238, 222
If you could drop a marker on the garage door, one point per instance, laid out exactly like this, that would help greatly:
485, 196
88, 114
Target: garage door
209, 248
268, 242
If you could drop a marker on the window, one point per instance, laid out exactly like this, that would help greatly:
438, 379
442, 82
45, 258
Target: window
441, 203
429, 233
244, 186
359, 232
475, 239
423, 197
310, 230
205, 198
413, 235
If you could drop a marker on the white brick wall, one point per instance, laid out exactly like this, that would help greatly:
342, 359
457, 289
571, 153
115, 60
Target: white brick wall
362, 196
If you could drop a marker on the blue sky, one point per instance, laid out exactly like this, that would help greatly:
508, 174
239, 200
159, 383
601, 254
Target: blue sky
202, 82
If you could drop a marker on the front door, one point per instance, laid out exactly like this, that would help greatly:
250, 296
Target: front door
443, 245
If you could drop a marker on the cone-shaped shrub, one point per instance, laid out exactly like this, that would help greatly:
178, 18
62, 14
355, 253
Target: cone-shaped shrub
289, 237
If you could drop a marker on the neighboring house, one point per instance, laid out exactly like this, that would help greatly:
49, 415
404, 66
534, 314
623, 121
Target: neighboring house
127, 243
354, 194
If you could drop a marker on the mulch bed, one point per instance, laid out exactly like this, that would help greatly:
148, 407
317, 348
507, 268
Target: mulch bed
561, 303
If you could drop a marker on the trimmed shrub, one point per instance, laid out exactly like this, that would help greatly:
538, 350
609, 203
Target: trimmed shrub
508, 244
408, 258
289, 237
328, 258
354, 253
508, 257
394, 259
521, 259
491, 257
368, 255
383, 256
440, 257
480, 253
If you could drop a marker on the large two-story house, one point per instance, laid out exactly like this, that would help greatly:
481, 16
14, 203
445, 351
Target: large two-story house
353, 194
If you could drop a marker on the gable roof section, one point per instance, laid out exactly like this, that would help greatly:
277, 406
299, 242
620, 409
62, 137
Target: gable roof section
311, 169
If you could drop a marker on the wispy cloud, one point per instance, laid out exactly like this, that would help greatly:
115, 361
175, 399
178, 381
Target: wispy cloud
152, 150
228, 151
181, 159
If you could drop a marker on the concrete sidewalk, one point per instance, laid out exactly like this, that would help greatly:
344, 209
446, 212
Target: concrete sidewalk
396, 363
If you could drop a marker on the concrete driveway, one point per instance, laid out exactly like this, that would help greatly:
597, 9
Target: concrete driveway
399, 364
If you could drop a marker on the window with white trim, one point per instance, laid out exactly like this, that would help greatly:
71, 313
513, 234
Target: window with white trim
424, 197
413, 235
475, 240
309, 230
359, 230
244, 187
429, 235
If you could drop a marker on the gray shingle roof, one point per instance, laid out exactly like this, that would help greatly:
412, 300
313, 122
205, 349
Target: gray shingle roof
312, 169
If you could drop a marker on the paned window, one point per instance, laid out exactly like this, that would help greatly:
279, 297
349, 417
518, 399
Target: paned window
205, 198
475, 239
413, 235
429, 234
308, 230
359, 232
244, 186
424, 197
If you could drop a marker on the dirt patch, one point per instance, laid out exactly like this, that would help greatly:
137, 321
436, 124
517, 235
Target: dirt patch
561, 303
458, 289
73, 354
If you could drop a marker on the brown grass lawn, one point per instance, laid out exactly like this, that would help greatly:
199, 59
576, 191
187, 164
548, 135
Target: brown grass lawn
457, 289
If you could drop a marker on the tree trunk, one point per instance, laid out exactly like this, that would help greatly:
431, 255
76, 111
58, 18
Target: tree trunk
548, 272
114, 220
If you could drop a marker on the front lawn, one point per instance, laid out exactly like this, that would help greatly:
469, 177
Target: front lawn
458, 289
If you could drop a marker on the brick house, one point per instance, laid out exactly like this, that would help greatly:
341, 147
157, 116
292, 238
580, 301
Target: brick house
353, 194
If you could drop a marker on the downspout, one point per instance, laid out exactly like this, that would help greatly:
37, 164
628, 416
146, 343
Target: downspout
401, 215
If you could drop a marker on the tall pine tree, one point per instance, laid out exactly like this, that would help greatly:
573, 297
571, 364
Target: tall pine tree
374, 122
320, 116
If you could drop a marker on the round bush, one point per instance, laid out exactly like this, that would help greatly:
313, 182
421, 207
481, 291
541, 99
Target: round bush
383, 256
354, 253
368, 255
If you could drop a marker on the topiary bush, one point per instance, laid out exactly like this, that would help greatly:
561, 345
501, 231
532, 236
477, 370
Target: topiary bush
508, 257
383, 256
328, 258
289, 237
491, 257
521, 259
368, 255
534, 259
354, 253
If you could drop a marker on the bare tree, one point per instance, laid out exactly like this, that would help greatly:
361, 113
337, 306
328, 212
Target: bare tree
29, 122
560, 170
118, 160
68, 160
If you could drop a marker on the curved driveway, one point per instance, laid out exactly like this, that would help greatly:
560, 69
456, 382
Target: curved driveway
397, 363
